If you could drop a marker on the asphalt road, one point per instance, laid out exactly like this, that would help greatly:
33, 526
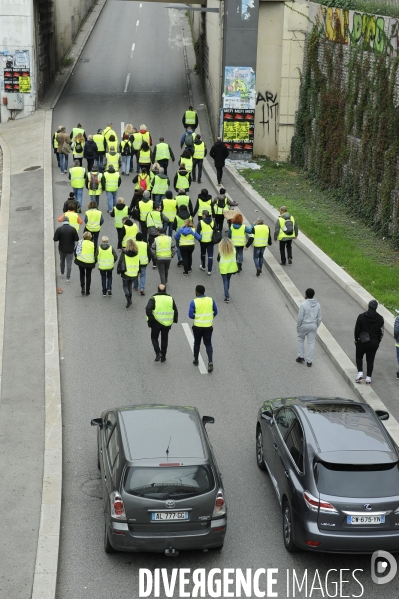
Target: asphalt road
107, 357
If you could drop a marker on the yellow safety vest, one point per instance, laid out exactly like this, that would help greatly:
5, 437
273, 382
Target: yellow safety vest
98, 191
182, 181
107, 134
282, 234
130, 233
55, 142
206, 231
182, 200
145, 208
119, 215
260, 235
87, 252
187, 239
143, 254
189, 117
78, 174
160, 185
111, 181
202, 205
154, 219
138, 140
93, 220
105, 258
145, 156
147, 179
124, 143
73, 219
163, 311
113, 159
187, 163
228, 264
217, 209
132, 266
76, 131
99, 140
146, 137
162, 152
238, 236
169, 208
163, 246
199, 151
203, 312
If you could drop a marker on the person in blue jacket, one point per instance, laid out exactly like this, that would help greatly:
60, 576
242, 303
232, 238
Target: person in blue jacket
185, 240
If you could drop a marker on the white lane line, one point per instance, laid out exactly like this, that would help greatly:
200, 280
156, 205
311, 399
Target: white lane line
186, 328
127, 83
137, 24
141, 4
122, 128
133, 47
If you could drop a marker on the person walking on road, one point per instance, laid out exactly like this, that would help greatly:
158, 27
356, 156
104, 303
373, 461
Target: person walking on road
309, 320
54, 143
67, 237
130, 230
185, 238
86, 260
95, 184
169, 209
182, 199
187, 140
203, 310
205, 228
77, 176
182, 215
369, 331
106, 258
182, 180
93, 221
186, 161
237, 233
285, 231
90, 152
142, 180
190, 119
155, 220
125, 150
144, 157
162, 154
128, 268
204, 202
78, 148
145, 256
219, 153
161, 312
260, 237
198, 157
99, 140
112, 157
145, 206
163, 250
78, 130
118, 213
227, 264
63, 149
108, 134
112, 182
220, 204
73, 217
396, 337
159, 186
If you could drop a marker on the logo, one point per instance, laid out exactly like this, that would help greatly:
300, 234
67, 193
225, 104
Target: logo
368, 507
383, 567
170, 504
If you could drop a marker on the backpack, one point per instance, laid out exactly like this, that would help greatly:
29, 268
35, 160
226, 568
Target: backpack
221, 203
78, 147
143, 184
126, 149
188, 142
288, 227
216, 236
93, 185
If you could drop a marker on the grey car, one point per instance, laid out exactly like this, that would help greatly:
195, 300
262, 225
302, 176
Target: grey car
162, 489
334, 469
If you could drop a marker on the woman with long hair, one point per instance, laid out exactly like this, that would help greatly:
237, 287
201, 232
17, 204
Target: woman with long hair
238, 235
185, 238
144, 156
78, 147
85, 259
227, 264
128, 268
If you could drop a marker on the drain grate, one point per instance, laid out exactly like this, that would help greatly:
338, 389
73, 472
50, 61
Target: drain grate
23, 208
84, 60
32, 168
62, 182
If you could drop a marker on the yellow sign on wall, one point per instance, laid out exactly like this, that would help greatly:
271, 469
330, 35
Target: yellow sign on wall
24, 85
236, 131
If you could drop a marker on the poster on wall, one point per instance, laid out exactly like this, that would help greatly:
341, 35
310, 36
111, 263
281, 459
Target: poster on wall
238, 130
21, 59
239, 88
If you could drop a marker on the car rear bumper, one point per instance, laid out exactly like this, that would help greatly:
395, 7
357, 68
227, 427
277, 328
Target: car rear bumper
342, 542
123, 539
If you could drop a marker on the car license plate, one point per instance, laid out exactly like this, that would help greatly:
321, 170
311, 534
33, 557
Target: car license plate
157, 516
365, 519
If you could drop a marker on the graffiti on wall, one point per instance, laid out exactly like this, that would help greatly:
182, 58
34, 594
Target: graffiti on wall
269, 112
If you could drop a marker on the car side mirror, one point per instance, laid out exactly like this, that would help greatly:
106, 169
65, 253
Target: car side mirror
97, 422
267, 415
208, 420
382, 414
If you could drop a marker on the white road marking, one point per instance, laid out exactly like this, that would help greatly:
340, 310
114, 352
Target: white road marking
122, 129
137, 24
186, 328
127, 83
141, 4
133, 47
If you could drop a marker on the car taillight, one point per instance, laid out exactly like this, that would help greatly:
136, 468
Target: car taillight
220, 505
313, 543
316, 505
117, 506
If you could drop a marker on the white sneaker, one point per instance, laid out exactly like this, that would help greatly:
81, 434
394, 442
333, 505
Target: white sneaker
209, 273
62, 276
202, 267
68, 281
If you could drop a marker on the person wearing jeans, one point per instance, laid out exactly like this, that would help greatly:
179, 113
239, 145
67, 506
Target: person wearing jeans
260, 236
67, 236
237, 233
112, 183
202, 309
161, 312
128, 268
85, 259
369, 331
205, 228
163, 250
309, 320
227, 264
185, 238
106, 258
145, 257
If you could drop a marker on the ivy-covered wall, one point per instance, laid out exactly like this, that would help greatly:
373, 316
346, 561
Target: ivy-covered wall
347, 124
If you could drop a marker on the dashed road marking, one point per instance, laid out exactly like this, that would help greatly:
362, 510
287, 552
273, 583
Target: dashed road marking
137, 24
186, 328
127, 82
133, 47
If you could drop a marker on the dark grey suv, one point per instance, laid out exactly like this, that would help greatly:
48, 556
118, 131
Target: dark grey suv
335, 471
162, 489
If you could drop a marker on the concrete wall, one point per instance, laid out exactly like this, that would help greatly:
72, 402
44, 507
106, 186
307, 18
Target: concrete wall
69, 15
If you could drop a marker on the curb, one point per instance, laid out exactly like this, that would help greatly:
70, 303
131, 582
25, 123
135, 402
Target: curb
4, 221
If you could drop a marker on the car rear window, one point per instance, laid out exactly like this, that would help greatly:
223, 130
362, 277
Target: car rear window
342, 480
172, 482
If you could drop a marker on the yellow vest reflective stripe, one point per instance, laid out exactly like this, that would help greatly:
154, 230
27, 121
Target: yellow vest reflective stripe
217, 209
138, 140
187, 239
261, 235
199, 151
111, 181
78, 174
99, 140
87, 252
182, 201
160, 185
145, 156
105, 258
203, 312
282, 234
187, 163
76, 131
132, 266
162, 152
228, 264
206, 231
182, 181
154, 219
113, 159
169, 208
204, 206
93, 220
238, 236
146, 137
163, 246
130, 233
119, 215
163, 311
96, 192
73, 219
189, 117
55, 142
143, 254
145, 208
146, 178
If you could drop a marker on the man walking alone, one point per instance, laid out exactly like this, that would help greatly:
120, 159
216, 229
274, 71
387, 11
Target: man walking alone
285, 231
369, 331
309, 319
161, 313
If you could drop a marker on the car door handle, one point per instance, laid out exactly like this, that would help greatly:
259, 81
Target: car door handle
287, 474
275, 446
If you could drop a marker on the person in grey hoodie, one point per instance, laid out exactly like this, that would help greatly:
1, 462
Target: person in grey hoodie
220, 204
309, 319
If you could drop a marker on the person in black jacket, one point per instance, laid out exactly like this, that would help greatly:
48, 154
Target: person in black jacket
369, 331
157, 327
219, 153
67, 236
90, 152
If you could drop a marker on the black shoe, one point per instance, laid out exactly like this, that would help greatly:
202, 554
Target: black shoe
109, 292
157, 358
300, 360
210, 366
199, 181
129, 301
239, 265
83, 292
163, 358
397, 375
282, 263
87, 293
258, 271
289, 260
309, 364
193, 181
195, 362
180, 262
104, 294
